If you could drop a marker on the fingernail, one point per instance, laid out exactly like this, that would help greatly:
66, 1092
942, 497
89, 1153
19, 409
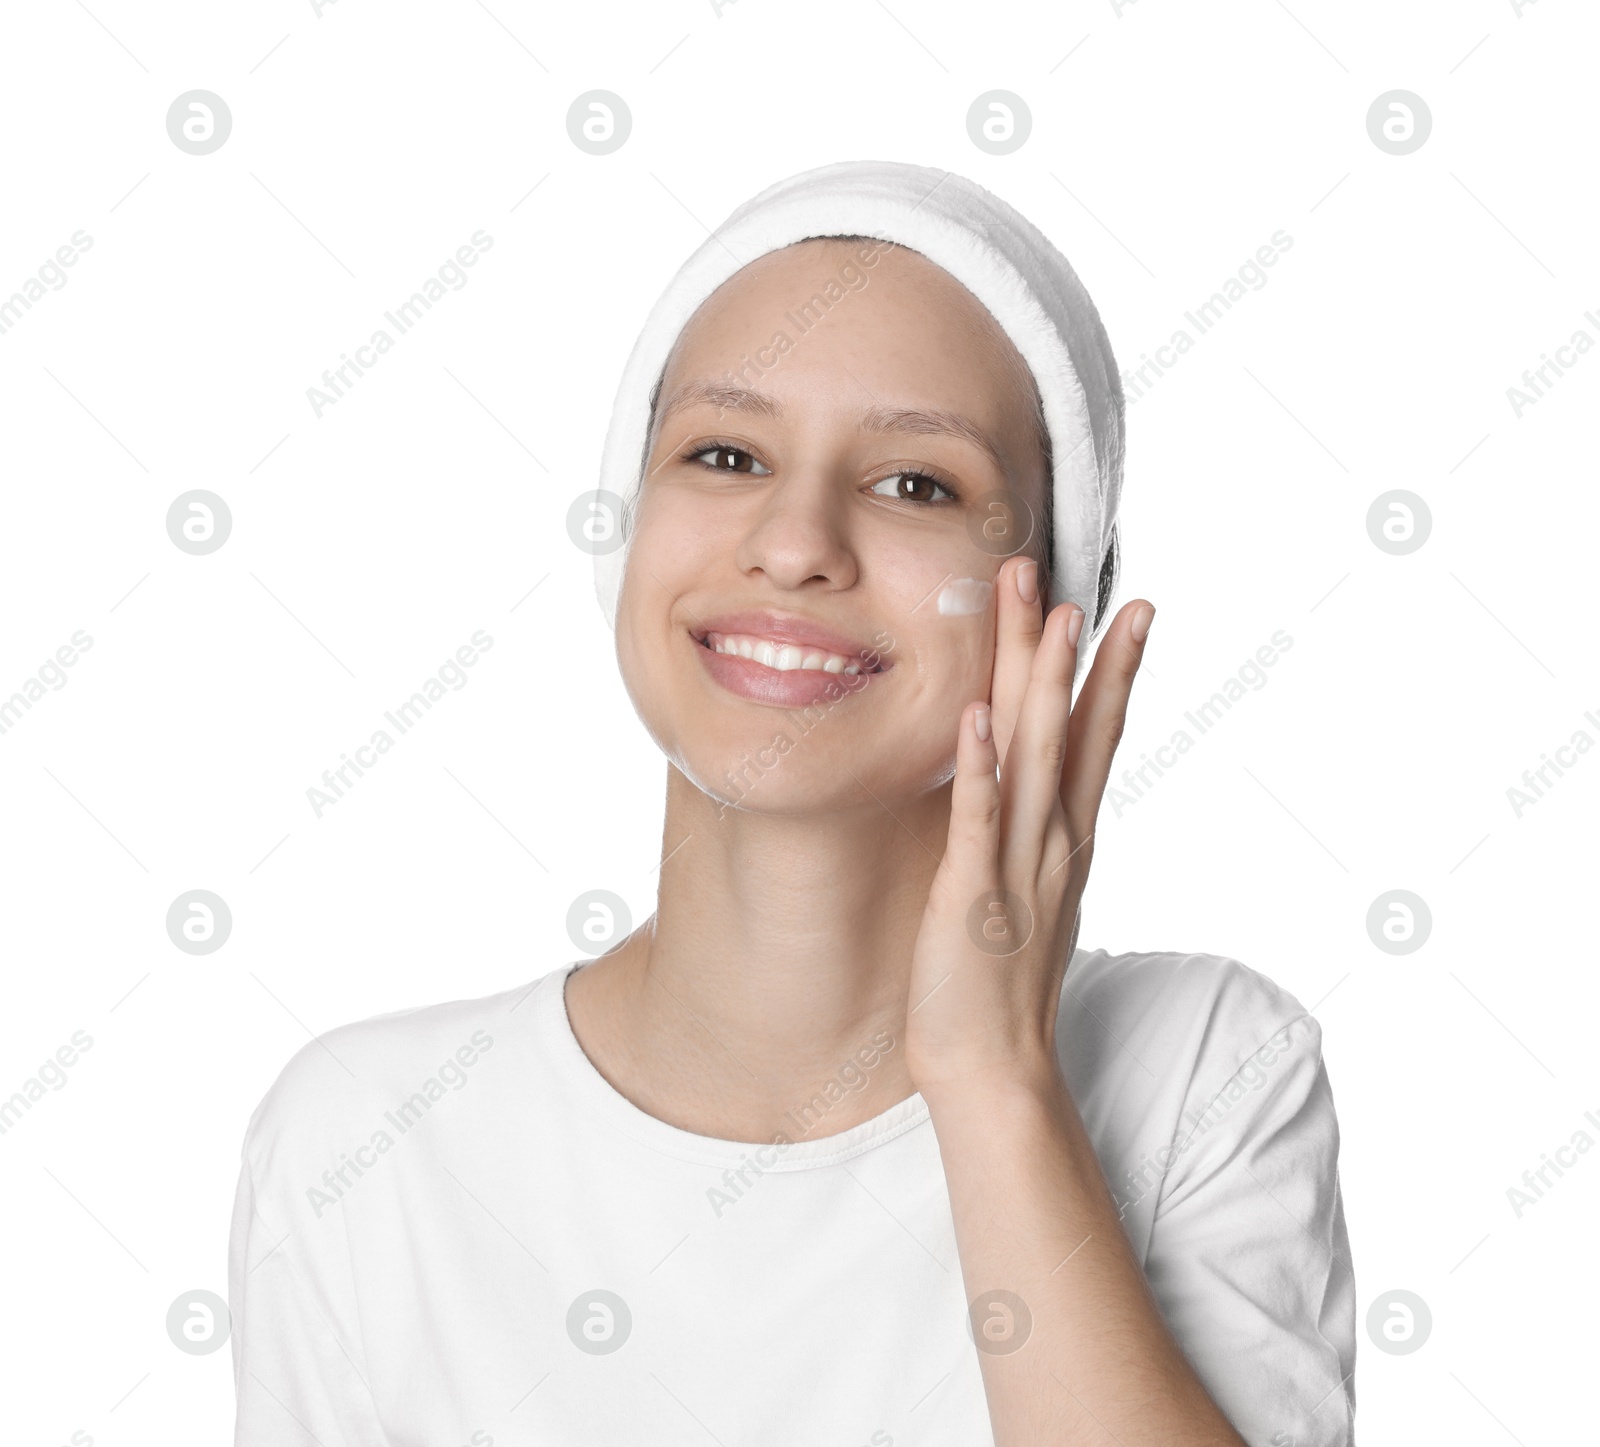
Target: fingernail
1075, 625
1141, 623
1028, 581
981, 720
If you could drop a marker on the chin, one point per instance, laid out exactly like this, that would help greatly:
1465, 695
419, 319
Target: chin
775, 768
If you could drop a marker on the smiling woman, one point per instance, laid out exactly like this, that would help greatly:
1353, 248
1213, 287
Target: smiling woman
858, 586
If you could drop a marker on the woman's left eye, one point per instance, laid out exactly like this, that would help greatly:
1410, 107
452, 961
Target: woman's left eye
912, 487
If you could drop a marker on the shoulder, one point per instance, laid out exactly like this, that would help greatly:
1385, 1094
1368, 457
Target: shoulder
1220, 1145
1173, 997
336, 1085
1169, 987
1171, 1023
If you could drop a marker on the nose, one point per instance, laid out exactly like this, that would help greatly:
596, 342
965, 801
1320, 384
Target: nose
801, 532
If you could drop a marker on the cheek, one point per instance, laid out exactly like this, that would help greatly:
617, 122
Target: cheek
670, 552
672, 536
656, 569
940, 615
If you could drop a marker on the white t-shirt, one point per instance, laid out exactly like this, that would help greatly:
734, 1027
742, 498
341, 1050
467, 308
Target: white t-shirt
452, 1231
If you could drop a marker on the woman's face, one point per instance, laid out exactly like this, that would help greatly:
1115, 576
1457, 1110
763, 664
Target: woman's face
846, 449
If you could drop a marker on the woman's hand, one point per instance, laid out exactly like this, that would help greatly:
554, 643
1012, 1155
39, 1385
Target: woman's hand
1003, 911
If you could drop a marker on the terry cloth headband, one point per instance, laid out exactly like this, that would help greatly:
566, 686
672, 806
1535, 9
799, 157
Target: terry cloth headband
1002, 259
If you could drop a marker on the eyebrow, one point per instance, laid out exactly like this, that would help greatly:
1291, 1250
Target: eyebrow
920, 421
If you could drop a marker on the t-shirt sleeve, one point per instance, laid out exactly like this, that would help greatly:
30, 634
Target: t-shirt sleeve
296, 1377
1248, 1251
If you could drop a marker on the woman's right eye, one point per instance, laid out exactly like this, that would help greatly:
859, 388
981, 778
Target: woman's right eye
728, 459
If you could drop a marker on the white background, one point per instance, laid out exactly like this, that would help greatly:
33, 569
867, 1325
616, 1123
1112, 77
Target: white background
1168, 143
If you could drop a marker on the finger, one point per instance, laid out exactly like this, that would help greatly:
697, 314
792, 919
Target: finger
1031, 780
1019, 623
973, 849
1102, 713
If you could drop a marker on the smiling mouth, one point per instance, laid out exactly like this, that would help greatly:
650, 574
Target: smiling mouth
783, 657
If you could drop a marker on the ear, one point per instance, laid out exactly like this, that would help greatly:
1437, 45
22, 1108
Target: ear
1106, 588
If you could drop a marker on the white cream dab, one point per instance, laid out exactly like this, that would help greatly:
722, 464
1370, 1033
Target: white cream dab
965, 595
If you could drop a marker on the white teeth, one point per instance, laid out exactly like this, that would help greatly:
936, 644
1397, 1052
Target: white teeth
784, 657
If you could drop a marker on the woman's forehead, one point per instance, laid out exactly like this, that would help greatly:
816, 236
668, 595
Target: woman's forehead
814, 308
824, 274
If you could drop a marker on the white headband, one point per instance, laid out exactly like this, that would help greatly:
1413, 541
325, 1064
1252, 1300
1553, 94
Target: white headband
1002, 259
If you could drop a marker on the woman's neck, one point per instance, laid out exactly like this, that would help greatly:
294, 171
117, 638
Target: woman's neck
780, 947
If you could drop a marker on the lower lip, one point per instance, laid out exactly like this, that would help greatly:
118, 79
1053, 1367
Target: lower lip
784, 688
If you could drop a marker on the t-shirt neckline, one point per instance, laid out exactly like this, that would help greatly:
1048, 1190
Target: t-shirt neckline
598, 1094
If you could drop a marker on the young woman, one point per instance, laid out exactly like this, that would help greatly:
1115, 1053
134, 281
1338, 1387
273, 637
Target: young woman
848, 1143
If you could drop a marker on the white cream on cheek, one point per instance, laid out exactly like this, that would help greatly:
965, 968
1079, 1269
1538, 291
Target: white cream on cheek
962, 596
